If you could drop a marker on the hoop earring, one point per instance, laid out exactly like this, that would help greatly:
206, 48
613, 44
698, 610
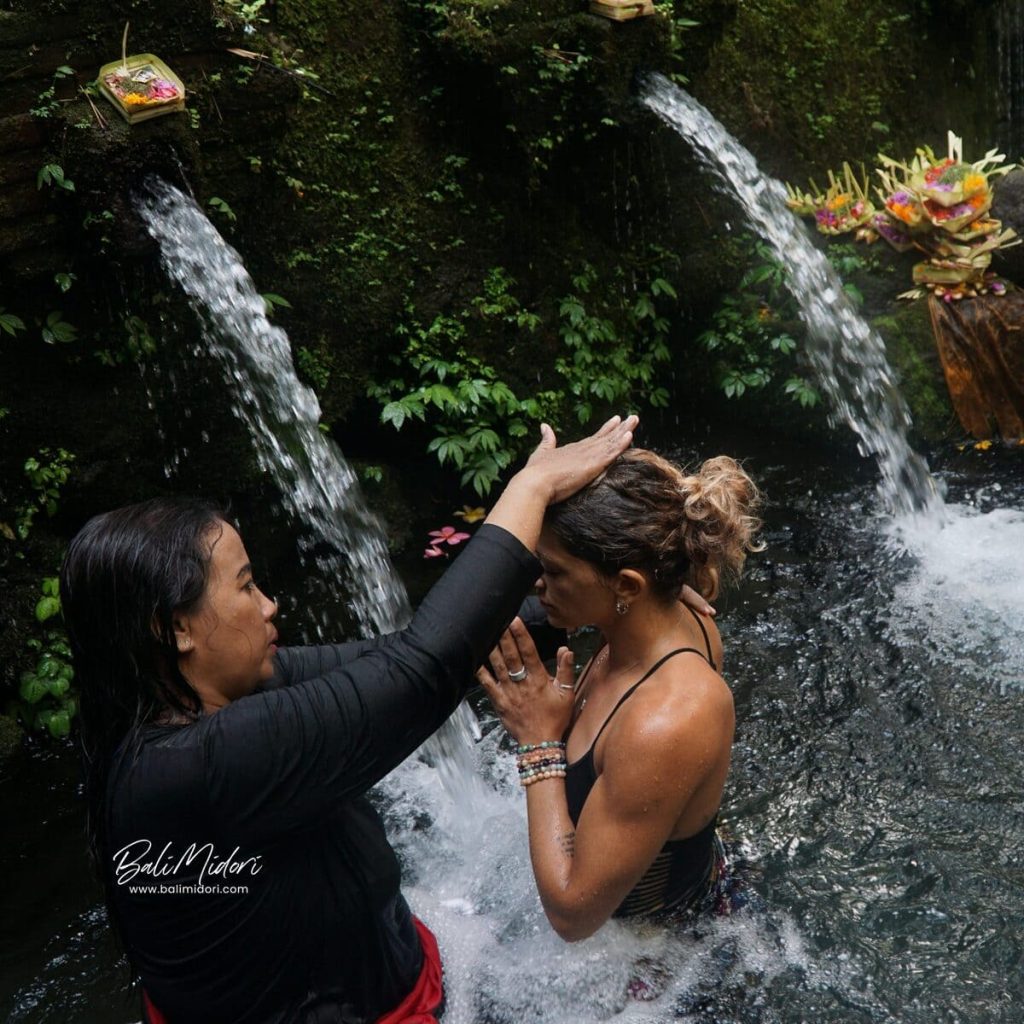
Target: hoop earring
621, 607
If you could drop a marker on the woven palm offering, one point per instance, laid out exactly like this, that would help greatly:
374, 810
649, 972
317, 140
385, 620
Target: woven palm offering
622, 10
844, 206
937, 205
944, 201
142, 87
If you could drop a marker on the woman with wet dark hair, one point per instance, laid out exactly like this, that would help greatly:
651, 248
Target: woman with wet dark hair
624, 770
246, 873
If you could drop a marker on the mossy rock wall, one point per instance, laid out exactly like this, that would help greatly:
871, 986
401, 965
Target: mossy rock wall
807, 84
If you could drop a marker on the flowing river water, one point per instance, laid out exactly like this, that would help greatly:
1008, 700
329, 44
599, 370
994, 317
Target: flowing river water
876, 793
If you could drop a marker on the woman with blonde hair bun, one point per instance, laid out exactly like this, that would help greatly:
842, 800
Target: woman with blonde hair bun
624, 769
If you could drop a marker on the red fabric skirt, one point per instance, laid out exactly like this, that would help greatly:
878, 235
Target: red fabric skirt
425, 999
418, 1007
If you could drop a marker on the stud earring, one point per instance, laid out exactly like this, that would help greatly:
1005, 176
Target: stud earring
621, 607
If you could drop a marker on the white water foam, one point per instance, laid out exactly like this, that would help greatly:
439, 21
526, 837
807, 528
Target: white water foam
471, 880
964, 598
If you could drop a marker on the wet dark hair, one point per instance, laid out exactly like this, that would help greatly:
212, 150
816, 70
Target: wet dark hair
645, 513
124, 577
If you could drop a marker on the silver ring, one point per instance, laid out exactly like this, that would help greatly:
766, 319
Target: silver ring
519, 675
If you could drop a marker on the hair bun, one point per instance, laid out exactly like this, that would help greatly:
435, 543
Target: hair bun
720, 521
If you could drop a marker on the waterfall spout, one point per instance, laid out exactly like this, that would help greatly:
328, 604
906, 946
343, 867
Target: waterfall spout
316, 484
848, 357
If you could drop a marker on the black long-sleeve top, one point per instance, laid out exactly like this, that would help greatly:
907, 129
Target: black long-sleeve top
276, 780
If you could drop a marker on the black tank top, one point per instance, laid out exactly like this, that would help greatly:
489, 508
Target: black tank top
683, 867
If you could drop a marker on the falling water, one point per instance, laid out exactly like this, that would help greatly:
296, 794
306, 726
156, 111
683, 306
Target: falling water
848, 357
316, 484
343, 540
962, 598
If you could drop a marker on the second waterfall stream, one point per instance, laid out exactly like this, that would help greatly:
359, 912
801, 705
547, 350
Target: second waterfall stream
962, 596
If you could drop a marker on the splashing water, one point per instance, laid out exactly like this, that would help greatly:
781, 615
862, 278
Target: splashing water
848, 357
965, 599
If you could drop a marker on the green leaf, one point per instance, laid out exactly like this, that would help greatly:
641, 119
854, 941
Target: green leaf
53, 174
32, 688
757, 275
394, 413
449, 449
58, 330
10, 323
46, 608
659, 286
802, 392
485, 440
643, 307
472, 391
59, 725
64, 281
271, 300
58, 686
222, 207
442, 396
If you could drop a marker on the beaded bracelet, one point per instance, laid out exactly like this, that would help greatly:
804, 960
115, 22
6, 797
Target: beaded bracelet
527, 748
540, 756
555, 772
536, 761
536, 769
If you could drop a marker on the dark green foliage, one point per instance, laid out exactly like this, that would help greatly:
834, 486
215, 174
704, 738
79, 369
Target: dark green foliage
749, 337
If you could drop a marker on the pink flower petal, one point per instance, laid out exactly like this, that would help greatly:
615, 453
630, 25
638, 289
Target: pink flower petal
457, 538
433, 552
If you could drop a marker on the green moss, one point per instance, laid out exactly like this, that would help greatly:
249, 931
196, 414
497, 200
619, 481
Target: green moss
817, 82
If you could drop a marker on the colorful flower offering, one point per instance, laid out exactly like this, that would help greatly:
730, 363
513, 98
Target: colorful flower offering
938, 205
843, 207
142, 87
